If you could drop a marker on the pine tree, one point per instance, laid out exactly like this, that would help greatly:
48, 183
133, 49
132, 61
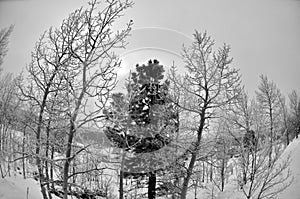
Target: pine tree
148, 111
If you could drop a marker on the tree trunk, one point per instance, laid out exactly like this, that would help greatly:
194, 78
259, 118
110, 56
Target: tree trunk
121, 191
271, 136
23, 153
287, 137
196, 188
223, 174
74, 171
203, 172
41, 178
188, 176
10, 152
68, 159
47, 157
51, 167
297, 133
152, 185
194, 156
37, 153
211, 171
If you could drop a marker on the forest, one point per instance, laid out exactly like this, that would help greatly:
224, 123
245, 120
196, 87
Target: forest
165, 134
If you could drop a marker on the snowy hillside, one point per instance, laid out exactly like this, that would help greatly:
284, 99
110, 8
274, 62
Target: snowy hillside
231, 188
293, 191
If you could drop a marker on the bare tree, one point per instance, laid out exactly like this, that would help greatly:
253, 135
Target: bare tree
222, 155
75, 62
240, 122
6, 92
48, 58
285, 127
4, 36
8, 105
90, 74
264, 179
211, 82
257, 178
294, 116
268, 97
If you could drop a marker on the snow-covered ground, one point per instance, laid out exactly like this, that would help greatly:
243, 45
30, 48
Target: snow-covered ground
231, 188
293, 191
16, 187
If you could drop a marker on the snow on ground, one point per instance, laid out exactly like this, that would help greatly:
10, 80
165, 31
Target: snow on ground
293, 191
231, 188
16, 187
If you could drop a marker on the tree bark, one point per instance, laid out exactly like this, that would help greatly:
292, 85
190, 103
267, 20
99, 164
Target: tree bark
47, 157
23, 153
271, 136
68, 159
51, 166
223, 174
121, 191
38, 145
152, 185
194, 157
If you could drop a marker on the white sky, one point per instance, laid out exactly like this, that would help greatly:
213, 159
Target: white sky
264, 34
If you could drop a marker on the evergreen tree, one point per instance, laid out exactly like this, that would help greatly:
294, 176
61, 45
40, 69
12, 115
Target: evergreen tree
140, 123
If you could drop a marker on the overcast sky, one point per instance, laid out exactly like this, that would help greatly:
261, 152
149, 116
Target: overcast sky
264, 34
